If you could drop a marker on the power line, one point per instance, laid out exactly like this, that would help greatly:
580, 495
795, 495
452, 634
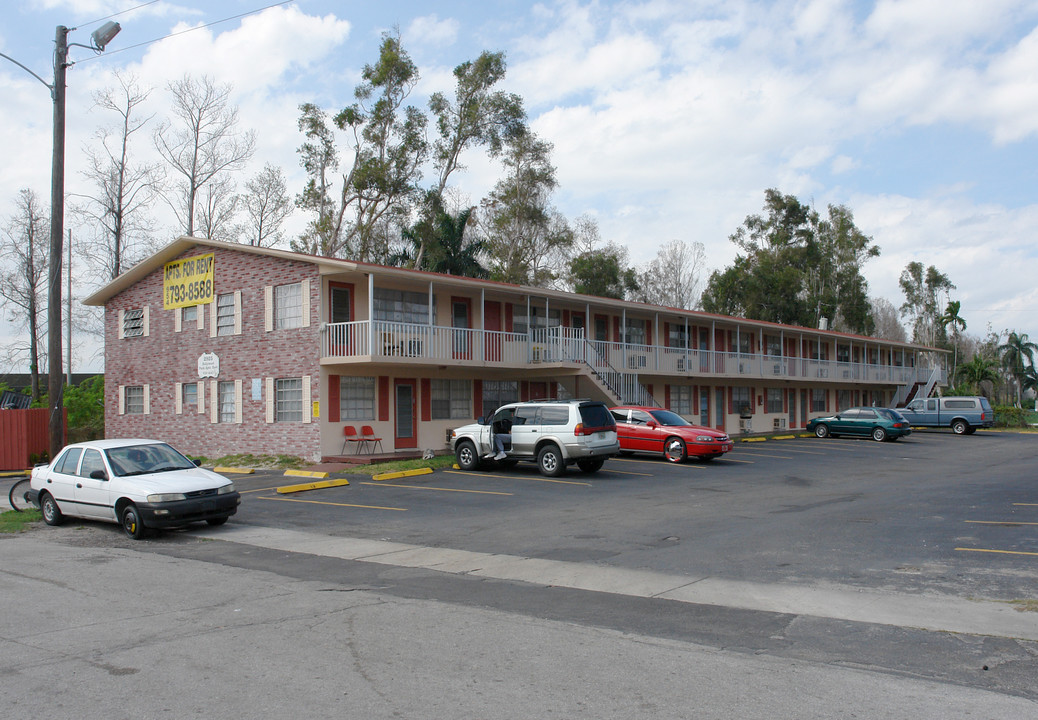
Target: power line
182, 32
121, 12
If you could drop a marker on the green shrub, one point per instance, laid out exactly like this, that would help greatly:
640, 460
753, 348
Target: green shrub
1008, 416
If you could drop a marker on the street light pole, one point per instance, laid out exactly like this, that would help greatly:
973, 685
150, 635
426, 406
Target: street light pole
55, 387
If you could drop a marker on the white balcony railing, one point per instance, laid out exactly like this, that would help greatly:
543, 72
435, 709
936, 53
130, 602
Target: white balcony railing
407, 342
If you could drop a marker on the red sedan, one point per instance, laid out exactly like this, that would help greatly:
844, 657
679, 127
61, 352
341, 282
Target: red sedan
662, 432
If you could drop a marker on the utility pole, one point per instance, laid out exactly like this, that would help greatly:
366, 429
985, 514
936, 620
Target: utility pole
68, 314
55, 387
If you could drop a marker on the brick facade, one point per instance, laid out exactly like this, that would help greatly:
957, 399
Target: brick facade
165, 357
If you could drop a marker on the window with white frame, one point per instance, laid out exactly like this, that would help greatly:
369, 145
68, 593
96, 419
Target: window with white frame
681, 400
190, 314
843, 399
288, 306
225, 314
522, 323
817, 400
133, 323
451, 399
742, 343
774, 345
288, 400
189, 395
843, 353
635, 331
225, 397
774, 400
133, 396
356, 398
741, 400
677, 337
402, 306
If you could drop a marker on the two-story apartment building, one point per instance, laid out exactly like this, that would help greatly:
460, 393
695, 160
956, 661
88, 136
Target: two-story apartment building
223, 348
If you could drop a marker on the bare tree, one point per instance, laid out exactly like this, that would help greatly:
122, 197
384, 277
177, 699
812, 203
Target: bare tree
675, 277
888, 320
266, 205
117, 210
202, 144
217, 206
25, 243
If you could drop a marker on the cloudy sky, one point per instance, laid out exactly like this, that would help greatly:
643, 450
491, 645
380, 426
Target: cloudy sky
669, 118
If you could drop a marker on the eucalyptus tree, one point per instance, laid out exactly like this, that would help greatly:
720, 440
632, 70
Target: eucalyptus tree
388, 145
796, 267
477, 116
923, 288
525, 235
604, 272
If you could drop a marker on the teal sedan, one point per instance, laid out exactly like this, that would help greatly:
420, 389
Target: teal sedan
878, 423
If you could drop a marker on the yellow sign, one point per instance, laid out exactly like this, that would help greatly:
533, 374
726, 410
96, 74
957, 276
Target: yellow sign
188, 281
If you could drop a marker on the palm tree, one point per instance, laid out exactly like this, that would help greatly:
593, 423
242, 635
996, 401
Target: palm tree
1030, 382
1017, 352
951, 317
976, 372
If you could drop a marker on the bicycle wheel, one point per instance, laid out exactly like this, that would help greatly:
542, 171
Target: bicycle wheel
19, 496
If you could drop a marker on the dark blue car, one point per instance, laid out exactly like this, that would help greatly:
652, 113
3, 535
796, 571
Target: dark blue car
878, 423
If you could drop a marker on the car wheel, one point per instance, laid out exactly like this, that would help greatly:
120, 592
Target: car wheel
879, 434
959, 427
821, 431
51, 512
466, 456
550, 462
130, 519
216, 521
674, 450
590, 465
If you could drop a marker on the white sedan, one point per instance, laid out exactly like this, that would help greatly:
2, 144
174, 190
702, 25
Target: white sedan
140, 484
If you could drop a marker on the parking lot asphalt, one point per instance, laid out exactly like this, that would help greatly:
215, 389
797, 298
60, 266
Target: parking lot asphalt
934, 512
917, 558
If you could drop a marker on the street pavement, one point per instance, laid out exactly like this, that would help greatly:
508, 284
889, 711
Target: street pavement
96, 626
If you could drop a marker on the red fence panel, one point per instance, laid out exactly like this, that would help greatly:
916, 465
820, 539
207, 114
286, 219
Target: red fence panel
24, 433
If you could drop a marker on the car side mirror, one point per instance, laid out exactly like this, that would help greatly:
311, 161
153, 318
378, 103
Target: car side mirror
98, 475
652, 424
198, 462
481, 420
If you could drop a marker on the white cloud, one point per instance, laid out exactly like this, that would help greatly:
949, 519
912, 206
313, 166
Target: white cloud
430, 31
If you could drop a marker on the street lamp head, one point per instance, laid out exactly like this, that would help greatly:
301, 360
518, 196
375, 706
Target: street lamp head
104, 34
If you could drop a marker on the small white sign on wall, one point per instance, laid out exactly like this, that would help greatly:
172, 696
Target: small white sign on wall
208, 365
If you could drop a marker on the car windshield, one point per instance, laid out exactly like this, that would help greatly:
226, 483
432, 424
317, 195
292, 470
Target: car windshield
142, 459
666, 417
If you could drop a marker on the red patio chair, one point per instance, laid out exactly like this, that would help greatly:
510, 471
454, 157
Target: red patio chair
369, 436
350, 436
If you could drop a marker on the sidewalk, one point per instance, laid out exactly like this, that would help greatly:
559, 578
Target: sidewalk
940, 613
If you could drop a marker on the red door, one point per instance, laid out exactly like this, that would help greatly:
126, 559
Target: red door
405, 434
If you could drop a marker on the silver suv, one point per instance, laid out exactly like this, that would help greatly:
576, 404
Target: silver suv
553, 433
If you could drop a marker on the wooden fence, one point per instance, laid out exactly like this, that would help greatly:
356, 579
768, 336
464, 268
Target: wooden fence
25, 437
